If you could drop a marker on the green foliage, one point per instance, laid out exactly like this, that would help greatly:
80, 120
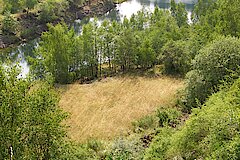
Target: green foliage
219, 16
27, 33
130, 149
146, 56
92, 149
168, 117
147, 122
13, 6
162, 118
9, 24
212, 131
175, 57
30, 4
214, 62
55, 51
179, 13
202, 8
30, 119
160, 144
122, 46
51, 10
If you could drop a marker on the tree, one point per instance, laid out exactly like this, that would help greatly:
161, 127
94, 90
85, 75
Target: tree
30, 119
55, 51
108, 43
175, 57
179, 12
146, 56
126, 48
229, 23
202, 8
90, 50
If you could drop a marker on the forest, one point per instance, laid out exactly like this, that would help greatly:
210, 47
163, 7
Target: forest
203, 122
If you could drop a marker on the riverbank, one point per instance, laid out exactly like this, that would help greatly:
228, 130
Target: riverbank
31, 27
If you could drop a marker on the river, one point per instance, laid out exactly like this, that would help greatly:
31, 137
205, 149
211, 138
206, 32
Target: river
124, 9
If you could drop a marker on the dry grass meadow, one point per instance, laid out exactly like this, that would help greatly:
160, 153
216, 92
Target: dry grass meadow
107, 108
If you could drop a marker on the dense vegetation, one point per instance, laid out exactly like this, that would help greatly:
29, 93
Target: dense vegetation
136, 43
205, 52
30, 125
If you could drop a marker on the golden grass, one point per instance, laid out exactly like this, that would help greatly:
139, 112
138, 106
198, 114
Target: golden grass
106, 109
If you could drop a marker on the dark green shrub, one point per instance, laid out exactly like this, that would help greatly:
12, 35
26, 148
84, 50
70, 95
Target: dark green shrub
168, 117
28, 33
94, 145
214, 62
9, 24
175, 57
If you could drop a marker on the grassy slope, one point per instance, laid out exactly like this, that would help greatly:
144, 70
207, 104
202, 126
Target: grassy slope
106, 109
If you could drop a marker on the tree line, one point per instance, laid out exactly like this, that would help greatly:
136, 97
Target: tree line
111, 47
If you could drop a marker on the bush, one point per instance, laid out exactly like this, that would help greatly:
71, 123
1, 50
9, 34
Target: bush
92, 149
130, 149
162, 118
28, 33
159, 145
175, 57
9, 24
212, 132
168, 117
147, 122
214, 62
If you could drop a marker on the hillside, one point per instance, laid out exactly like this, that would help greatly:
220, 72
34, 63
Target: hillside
106, 109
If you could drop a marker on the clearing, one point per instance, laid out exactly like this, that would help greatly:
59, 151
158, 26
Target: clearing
107, 108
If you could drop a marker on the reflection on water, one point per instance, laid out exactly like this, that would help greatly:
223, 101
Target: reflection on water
19, 56
132, 6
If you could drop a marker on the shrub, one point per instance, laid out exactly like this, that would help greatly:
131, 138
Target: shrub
212, 132
214, 62
130, 149
9, 24
160, 145
145, 123
168, 117
175, 57
28, 33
